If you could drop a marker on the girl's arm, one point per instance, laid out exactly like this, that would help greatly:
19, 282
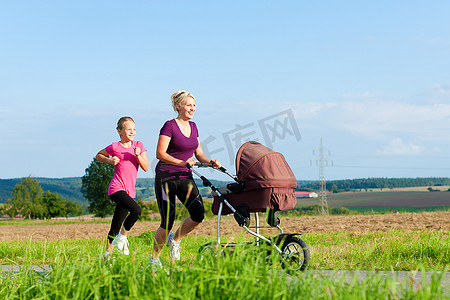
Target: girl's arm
161, 153
142, 158
201, 156
103, 156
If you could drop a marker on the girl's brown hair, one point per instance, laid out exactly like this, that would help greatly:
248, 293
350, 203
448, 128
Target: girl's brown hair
123, 120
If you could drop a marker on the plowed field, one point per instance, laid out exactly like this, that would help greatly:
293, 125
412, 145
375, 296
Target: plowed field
434, 221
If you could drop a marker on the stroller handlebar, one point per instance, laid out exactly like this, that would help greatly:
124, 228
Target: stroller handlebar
209, 165
205, 165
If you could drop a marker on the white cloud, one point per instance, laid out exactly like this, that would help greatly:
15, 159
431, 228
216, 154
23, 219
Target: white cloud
381, 119
398, 147
311, 110
437, 93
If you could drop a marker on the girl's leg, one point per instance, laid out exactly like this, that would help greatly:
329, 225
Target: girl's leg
119, 216
135, 212
127, 204
122, 221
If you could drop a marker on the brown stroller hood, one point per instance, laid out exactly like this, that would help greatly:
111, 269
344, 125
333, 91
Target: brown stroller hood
268, 179
261, 167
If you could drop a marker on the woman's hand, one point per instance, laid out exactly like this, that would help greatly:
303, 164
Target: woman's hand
216, 163
190, 161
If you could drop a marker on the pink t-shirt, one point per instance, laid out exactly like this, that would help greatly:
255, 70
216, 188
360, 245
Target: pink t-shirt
125, 172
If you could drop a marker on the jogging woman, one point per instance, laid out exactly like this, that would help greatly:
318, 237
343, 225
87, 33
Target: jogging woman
178, 142
126, 156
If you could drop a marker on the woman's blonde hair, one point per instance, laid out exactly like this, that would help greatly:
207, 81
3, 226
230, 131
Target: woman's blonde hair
178, 98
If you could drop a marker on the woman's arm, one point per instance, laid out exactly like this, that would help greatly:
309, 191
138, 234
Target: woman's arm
103, 156
201, 156
161, 153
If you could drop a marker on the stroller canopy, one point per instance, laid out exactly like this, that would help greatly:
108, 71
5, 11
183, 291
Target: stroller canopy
261, 167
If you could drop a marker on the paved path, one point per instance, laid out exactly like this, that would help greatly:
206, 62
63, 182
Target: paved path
17, 268
400, 276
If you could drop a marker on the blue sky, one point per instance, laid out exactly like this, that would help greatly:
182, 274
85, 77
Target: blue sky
371, 78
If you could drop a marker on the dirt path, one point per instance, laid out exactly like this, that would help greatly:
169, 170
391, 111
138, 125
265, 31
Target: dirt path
434, 221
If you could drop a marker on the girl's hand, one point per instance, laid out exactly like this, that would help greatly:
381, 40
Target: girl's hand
115, 160
137, 151
216, 163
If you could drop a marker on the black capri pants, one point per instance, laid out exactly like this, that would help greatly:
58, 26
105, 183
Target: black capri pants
167, 188
124, 204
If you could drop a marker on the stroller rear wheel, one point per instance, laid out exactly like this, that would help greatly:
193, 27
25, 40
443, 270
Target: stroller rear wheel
295, 253
208, 251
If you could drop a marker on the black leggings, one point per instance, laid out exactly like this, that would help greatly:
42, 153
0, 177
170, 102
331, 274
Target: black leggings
186, 191
124, 204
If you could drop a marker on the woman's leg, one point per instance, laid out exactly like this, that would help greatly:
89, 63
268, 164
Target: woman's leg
165, 197
188, 190
187, 226
160, 240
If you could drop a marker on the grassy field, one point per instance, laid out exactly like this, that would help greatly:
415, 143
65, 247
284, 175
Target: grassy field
78, 270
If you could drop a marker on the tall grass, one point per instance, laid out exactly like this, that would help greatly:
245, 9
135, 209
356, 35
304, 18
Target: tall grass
78, 270
399, 250
241, 275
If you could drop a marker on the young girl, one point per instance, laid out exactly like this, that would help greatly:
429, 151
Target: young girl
177, 144
126, 156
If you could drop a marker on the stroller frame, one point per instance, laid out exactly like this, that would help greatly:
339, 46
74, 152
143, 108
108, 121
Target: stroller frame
282, 243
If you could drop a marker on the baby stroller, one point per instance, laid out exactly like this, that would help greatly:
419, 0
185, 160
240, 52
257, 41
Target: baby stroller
264, 182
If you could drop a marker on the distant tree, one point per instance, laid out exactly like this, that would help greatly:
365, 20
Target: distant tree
9, 209
54, 205
334, 188
94, 187
71, 208
26, 200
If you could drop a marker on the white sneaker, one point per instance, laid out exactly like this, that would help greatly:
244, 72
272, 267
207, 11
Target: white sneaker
174, 247
155, 263
121, 243
106, 255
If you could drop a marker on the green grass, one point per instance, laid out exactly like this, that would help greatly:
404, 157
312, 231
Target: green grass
238, 276
399, 250
78, 271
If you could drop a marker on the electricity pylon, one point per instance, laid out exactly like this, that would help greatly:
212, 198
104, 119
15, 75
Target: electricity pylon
321, 160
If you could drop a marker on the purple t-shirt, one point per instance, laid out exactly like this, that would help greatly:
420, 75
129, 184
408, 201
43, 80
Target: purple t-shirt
125, 172
180, 146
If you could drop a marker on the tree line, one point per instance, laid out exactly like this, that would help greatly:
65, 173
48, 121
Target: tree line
374, 183
29, 201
